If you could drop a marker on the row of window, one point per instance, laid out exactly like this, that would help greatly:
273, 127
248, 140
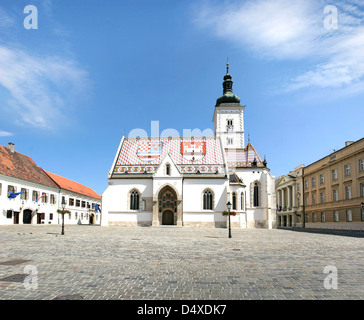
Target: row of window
9, 215
45, 197
335, 216
208, 200
35, 195
335, 195
78, 203
334, 174
81, 216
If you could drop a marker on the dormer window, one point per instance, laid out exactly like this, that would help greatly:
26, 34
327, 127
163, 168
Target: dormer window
168, 169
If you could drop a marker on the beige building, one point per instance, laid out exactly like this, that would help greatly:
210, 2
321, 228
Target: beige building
334, 189
289, 199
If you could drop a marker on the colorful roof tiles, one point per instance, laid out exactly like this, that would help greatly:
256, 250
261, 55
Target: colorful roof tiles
191, 155
243, 157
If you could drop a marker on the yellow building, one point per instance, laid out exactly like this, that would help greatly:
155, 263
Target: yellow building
334, 189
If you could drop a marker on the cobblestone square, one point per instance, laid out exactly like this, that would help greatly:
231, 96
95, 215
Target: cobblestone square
174, 263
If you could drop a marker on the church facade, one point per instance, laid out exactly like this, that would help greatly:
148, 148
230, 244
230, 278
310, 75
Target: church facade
187, 181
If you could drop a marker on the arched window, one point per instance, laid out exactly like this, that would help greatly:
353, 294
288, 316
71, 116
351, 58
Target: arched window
234, 201
242, 201
207, 200
134, 200
168, 169
256, 195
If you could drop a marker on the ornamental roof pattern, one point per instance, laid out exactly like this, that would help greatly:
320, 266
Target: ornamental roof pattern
243, 157
189, 154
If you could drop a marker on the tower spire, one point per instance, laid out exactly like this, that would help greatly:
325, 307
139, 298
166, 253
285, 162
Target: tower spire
228, 96
227, 84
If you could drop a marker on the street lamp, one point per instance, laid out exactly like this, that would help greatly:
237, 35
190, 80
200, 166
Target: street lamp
228, 205
63, 207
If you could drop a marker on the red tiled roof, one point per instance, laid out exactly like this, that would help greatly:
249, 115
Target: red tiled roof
17, 165
73, 186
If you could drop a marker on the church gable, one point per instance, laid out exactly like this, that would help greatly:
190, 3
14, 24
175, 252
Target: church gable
244, 157
190, 155
167, 168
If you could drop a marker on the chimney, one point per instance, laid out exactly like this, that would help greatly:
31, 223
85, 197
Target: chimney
348, 143
11, 146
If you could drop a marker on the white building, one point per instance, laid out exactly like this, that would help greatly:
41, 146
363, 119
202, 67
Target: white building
187, 181
40, 193
82, 202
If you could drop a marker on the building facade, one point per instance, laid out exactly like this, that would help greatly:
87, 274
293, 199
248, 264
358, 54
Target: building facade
81, 201
334, 189
30, 195
328, 193
289, 199
187, 181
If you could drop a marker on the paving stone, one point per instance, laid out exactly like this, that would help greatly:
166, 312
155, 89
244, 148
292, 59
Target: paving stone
99, 263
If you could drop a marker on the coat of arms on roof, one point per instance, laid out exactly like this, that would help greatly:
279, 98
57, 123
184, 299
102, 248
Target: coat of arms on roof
193, 150
149, 150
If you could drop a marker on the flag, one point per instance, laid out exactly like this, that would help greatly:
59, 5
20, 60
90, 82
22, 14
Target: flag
97, 207
40, 197
13, 195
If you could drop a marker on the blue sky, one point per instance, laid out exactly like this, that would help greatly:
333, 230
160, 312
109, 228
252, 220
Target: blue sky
94, 70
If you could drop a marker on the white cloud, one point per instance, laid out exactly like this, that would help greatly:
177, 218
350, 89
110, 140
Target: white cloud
6, 20
344, 67
292, 29
277, 29
5, 134
40, 87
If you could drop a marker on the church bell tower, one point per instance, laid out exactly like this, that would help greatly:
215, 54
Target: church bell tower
229, 116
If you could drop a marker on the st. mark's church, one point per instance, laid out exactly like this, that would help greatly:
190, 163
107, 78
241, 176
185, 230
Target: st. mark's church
187, 181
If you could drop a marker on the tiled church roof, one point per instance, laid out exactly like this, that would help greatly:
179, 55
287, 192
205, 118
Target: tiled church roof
234, 179
139, 155
17, 165
244, 157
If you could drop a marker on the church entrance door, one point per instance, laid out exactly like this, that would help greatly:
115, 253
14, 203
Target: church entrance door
167, 206
168, 218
